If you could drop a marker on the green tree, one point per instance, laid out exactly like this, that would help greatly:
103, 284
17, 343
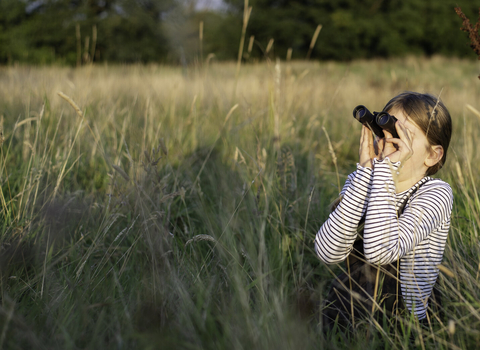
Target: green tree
45, 31
354, 29
13, 41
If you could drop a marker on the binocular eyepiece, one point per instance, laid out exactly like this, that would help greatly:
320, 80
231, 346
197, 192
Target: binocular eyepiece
376, 121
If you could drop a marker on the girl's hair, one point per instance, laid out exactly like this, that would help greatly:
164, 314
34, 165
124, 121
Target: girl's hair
431, 115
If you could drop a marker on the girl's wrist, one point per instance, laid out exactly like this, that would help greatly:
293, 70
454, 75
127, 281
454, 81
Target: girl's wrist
386, 160
365, 167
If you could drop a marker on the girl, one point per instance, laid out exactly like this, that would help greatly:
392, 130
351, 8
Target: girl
392, 221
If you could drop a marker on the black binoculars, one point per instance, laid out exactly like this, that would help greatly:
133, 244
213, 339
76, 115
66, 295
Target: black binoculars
377, 122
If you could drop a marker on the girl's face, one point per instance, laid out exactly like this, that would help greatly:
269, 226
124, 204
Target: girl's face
415, 167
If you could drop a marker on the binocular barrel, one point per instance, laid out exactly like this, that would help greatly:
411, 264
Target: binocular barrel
376, 121
363, 115
387, 122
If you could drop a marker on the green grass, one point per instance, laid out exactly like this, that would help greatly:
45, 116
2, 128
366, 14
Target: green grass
176, 215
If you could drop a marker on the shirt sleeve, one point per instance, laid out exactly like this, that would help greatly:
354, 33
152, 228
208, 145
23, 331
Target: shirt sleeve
388, 238
334, 241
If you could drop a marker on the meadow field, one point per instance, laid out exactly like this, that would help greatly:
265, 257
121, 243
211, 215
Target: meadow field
176, 208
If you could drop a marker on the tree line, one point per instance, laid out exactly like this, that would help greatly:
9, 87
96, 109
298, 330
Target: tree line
76, 32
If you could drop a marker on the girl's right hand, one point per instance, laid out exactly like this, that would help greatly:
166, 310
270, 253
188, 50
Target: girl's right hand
398, 149
367, 150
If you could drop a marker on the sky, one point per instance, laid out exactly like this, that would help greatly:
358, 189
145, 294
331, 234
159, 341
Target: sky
210, 4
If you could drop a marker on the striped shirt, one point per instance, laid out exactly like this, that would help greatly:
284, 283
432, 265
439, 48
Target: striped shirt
417, 238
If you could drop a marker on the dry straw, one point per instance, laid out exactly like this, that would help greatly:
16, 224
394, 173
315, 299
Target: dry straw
229, 114
289, 54
79, 44
94, 43
198, 238
314, 40
121, 172
246, 16
200, 37
334, 157
250, 45
269, 47
473, 110
86, 57
81, 115
2, 138
2, 198
446, 271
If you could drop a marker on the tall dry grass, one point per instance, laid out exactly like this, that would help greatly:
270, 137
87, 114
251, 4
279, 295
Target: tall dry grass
168, 214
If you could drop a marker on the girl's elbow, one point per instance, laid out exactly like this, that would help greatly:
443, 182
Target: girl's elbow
374, 260
327, 257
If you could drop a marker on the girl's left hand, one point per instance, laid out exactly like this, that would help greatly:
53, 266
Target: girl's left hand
403, 149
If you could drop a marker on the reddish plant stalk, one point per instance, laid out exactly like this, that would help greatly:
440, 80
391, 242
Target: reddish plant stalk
472, 31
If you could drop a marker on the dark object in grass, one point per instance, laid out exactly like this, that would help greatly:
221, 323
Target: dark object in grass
472, 31
377, 122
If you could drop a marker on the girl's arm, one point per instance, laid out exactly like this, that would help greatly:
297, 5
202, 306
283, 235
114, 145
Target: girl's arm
388, 238
334, 240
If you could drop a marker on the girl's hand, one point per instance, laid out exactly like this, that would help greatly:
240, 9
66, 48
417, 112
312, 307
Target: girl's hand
367, 150
398, 149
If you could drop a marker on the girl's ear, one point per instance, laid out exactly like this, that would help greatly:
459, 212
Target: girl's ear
436, 154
